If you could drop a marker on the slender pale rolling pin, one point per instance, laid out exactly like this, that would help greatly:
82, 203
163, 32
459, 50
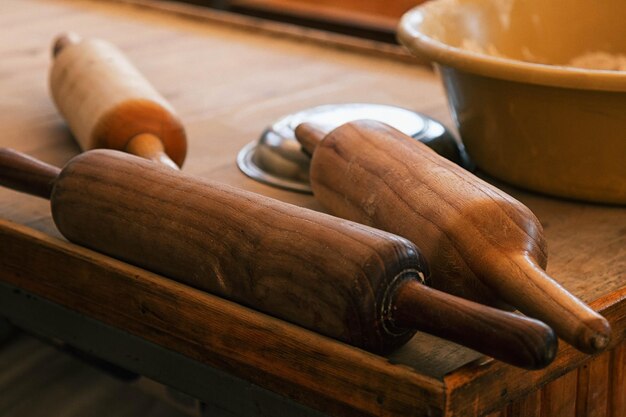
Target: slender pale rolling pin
339, 278
107, 103
480, 243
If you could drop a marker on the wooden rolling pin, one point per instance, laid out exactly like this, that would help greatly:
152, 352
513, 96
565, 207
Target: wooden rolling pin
339, 278
107, 103
480, 243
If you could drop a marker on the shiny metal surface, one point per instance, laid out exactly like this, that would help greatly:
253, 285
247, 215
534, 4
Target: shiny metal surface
277, 159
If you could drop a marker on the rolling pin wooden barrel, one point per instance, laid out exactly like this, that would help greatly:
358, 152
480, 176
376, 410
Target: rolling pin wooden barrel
107, 103
342, 279
480, 243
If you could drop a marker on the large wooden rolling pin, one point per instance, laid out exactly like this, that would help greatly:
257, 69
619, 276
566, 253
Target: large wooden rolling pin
480, 243
107, 103
342, 279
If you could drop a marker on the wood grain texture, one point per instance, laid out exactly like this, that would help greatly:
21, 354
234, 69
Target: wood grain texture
287, 359
481, 243
474, 390
107, 102
587, 391
22, 173
529, 406
617, 382
229, 78
348, 281
559, 396
593, 388
508, 337
223, 104
306, 267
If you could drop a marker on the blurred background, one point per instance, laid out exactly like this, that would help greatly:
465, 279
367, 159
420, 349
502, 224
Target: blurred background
371, 19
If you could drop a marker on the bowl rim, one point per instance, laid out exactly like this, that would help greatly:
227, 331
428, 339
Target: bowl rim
510, 69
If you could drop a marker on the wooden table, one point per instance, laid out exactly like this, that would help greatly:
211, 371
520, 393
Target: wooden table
229, 78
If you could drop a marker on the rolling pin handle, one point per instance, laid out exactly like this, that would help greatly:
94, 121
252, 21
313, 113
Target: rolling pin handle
309, 137
538, 295
25, 174
509, 337
150, 147
63, 40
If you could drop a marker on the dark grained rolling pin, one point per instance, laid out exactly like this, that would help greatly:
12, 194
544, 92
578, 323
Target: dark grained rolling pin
345, 280
480, 243
107, 103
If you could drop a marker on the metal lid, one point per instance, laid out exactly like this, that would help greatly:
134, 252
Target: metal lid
277, 159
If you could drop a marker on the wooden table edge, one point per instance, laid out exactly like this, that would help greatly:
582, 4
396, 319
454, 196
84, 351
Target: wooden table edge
491, 377
304, 366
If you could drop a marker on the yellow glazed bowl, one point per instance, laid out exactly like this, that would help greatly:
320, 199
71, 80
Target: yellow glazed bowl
525, 115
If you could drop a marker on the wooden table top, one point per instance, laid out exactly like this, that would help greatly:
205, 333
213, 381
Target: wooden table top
228, 83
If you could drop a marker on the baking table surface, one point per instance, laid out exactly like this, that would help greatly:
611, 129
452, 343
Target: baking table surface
229, 80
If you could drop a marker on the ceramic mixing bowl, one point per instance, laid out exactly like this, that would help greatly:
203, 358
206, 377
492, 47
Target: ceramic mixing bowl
527, 110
